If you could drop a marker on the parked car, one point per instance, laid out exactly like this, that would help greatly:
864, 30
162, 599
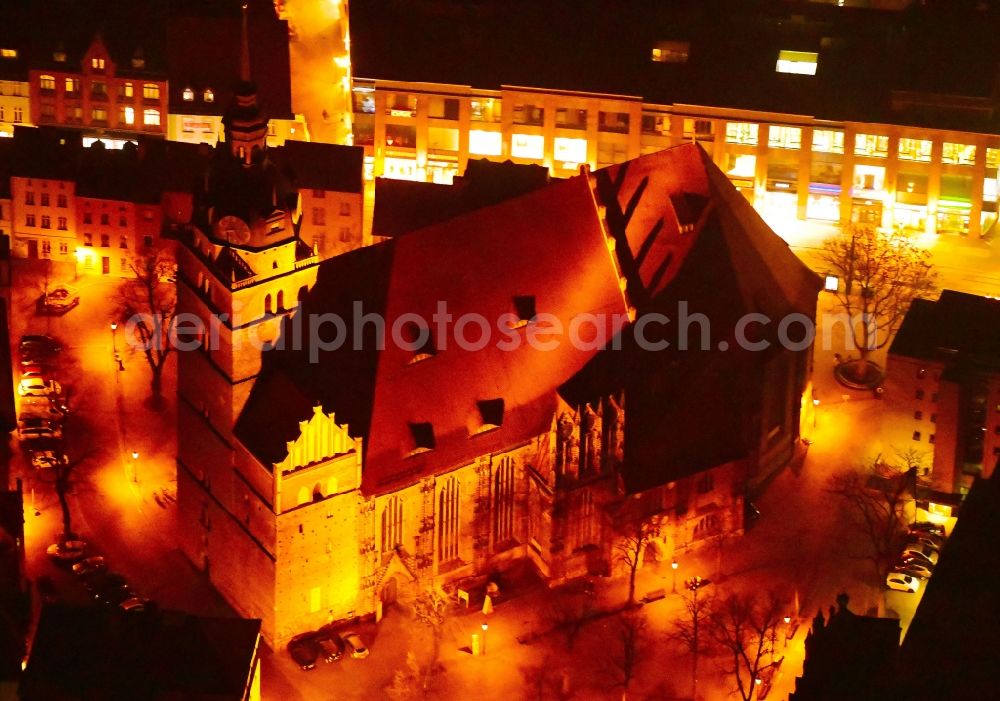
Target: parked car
902, 582
58, 300
39, 428
44, 459
924, 541
132, 605
921, 554
38, 387
304, 650
927, 527
114, 597
67, 551
39, 345
104, 582
330, 644
913, 568
90, 566
356, 646
42, 407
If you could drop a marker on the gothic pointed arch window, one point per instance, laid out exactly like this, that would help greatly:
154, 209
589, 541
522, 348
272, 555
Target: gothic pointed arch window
317, 493
392, 524
268, 309
503, 501
448, 524
281, 300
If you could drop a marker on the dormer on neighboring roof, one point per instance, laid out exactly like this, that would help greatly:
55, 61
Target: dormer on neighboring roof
524, 309
418, 339
671, 51
423, 437
490, 414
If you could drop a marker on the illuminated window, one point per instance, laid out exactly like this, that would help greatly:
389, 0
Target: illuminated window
72, 85
799, 62
915, 150
443, 107
188, 95
99, 114
784, 137
128, 90
128, 115
614, 122
151, 117
442, 138
485, 143
503, 500
671, 51
571, 119
961, 154
527, 146
872, 145
400, 104
741, 133
448, 520
570, 152
743, 165
392, 524
59, 56
151, 91
47, 82
485, 109
8, 53
828, 141
97, 63
993, 158
207, 95
529, 114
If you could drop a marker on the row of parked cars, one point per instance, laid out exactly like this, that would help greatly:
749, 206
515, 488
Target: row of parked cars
42, 408
327, 644
106, 587
920, 554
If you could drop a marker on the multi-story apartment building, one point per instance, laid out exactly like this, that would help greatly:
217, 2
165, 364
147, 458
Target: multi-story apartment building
790, 116
15, 105
943, 387
112, 97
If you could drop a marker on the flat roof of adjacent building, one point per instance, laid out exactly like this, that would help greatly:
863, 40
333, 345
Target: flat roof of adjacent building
956, 326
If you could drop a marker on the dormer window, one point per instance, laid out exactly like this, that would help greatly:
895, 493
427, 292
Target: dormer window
423, 437
97, 63
417, 339
524, 309
799, 62
59, 56
138, 60
490, 414
188, 95
207, 95
8, 53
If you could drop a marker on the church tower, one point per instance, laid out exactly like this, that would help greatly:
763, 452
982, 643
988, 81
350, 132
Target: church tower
242, 269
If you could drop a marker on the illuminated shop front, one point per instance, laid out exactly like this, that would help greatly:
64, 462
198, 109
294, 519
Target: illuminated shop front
955, 204
825, 173
401, 168
568, 153
867, 192
781, 197
910, 211
988, 218
741, 167
530, 146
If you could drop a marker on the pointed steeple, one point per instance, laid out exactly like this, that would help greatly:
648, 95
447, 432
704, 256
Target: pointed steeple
244, 48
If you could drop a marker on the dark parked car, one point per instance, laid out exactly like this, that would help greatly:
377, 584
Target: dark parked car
927, 527
304, 650
38, 346
330, 644
102, 582
58, 300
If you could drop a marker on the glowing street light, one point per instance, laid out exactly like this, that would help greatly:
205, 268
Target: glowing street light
135, 466
486, 627
693, 584
674, 565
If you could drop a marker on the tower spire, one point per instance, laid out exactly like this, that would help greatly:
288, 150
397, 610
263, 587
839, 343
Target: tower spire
244, 48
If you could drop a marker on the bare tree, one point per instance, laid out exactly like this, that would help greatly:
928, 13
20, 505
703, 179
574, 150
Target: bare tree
874, 501
407, 683
148, 303
569, 613
430, 609
745, 628
543, 681
688, 630
628, 640
884, 271
630, 547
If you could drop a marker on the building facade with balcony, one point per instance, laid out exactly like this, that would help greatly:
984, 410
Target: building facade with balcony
792, 118
15, 104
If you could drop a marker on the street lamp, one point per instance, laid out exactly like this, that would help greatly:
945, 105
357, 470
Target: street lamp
674, 566
693, 584
135, 466
486, 627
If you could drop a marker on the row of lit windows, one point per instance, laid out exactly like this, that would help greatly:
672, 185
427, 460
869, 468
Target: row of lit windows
150, 91
126, 115
207, 95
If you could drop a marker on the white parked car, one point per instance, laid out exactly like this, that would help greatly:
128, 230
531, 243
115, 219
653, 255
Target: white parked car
356, 645
38, 387
902, 582
40, 408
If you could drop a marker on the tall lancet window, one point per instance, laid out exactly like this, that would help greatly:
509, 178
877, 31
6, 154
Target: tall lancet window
503, 501
392, 524
448, 521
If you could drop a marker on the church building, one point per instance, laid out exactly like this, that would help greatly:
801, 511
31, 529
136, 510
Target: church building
509, 384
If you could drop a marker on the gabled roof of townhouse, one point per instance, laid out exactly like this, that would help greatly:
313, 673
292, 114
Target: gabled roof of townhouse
421, 410
956, 328
726, 53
